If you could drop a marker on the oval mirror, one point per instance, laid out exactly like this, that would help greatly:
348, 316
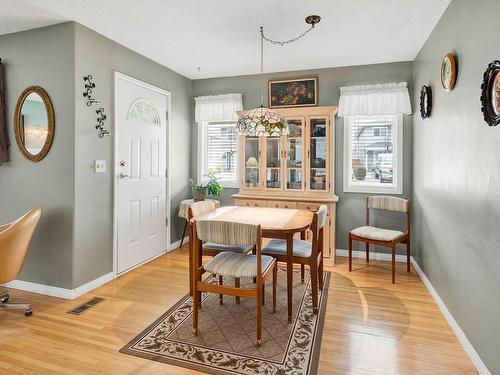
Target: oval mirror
34, 123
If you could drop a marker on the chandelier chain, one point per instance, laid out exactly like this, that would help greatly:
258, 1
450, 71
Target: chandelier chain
284, 42
274, 42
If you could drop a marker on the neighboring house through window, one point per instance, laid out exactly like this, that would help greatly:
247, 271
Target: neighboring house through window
373, 159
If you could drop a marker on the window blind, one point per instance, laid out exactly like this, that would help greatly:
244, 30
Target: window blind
372, 145
221, 148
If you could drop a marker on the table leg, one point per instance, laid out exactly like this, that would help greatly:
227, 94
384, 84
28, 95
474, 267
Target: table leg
289, 274
184, 233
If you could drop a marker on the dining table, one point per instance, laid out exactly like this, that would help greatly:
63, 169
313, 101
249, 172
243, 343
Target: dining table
280, 223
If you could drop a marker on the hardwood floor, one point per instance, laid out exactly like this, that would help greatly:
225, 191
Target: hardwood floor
371, 325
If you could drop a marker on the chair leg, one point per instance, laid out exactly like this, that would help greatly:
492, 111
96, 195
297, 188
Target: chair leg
221, 296
393, 264
196, 303
275, 281
253, 253
350, 252
314, 286
367, 246
302, 270
320, 272
237, 285
259, 316
17, 306
4, 296
263, 293
408, 255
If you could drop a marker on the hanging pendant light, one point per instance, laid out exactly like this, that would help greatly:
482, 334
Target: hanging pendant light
263, 121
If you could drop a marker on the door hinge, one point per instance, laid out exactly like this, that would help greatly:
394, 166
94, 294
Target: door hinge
166, 115
166, 173
166, 221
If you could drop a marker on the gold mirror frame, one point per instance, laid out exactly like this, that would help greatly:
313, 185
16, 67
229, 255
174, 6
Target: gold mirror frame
50, 123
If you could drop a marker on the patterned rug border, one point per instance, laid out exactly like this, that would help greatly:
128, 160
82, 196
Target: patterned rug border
314, 359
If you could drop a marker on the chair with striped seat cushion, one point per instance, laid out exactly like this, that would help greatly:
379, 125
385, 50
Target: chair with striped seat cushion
305, 253
301, 248
380, 236
209, 249
231, 264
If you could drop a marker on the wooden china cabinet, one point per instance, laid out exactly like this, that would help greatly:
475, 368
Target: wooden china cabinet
293, 171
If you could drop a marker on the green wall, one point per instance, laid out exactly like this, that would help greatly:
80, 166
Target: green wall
43, 57
456, 176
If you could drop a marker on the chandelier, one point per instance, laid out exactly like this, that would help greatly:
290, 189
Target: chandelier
262, 121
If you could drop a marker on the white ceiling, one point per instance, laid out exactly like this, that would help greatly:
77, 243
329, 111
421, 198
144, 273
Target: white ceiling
222, 36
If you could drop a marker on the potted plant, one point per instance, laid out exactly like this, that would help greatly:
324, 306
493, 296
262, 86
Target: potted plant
212, 187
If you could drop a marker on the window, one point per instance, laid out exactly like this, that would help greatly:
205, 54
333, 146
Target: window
373, 154
142, 109
218, 145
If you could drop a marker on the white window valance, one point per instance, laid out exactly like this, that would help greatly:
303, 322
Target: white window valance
381, 99
217, 107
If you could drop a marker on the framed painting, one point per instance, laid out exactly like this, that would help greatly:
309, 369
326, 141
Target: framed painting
293, 93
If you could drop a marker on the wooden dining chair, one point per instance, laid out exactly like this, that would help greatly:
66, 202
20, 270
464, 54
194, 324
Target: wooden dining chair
209, 249
232, 264
383, 237
305, 252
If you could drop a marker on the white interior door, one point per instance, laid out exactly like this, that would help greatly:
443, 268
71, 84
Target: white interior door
141, 173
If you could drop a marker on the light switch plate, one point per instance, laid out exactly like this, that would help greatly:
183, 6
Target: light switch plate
100, 166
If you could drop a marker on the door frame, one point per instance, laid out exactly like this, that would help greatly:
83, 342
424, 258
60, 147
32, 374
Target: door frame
116, 77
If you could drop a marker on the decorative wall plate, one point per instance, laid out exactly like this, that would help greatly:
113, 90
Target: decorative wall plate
490, 94
449, 72
425, 101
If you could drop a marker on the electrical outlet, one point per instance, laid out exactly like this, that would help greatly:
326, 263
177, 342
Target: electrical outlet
100, 166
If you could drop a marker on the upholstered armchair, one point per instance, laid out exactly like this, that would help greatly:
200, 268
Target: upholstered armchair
15, 239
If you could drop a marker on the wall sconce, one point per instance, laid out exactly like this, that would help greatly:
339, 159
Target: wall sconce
101, 116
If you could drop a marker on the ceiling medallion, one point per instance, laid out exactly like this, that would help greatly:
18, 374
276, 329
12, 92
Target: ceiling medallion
263, 121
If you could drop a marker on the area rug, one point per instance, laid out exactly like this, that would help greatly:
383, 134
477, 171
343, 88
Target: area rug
226, 340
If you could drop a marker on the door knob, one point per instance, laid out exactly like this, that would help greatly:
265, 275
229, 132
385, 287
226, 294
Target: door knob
123, 175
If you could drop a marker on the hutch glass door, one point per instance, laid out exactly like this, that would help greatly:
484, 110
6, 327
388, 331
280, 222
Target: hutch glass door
318, 153
294, 155
251, 160
273, 162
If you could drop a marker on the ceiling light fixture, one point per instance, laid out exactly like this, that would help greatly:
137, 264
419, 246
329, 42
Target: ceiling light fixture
263, 121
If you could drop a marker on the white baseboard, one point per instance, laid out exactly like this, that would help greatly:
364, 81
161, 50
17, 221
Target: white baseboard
177, 244
55, 291
373, 255
469, 349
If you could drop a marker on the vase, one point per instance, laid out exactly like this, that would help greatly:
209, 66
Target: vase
199, 195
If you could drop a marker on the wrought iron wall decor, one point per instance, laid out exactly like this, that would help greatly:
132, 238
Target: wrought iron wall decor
89, 86
490, 94
425, 101
101, 115
101, 118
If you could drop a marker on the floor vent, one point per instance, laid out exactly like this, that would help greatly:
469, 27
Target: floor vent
79, 310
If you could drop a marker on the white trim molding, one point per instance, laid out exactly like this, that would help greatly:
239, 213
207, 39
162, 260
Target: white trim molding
462, 338
55, 291
373, 255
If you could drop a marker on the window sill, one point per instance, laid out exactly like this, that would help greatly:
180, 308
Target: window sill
393, 190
